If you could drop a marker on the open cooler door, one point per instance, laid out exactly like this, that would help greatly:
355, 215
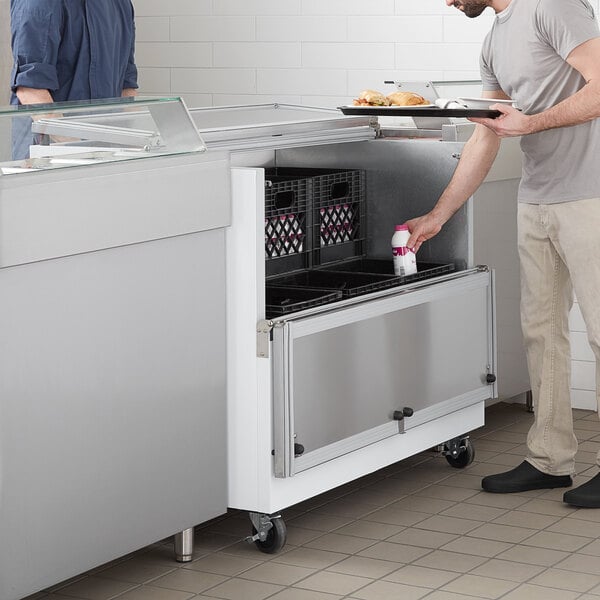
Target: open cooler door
380, 367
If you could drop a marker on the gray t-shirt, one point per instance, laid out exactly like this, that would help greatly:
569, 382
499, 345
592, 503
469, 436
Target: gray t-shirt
524, 56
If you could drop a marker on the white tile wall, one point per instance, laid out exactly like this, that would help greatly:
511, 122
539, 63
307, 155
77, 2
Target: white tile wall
319, 52
583, 364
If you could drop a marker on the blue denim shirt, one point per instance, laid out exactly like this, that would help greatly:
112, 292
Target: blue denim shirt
76, 49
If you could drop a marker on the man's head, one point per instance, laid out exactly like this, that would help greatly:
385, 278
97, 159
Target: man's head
471, 8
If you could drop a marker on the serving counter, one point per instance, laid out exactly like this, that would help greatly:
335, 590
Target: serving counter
112, 337
132, 233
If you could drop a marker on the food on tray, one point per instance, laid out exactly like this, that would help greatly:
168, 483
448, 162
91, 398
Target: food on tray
406, 99
371, 98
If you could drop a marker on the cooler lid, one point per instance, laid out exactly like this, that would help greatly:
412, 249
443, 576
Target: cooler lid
278, 126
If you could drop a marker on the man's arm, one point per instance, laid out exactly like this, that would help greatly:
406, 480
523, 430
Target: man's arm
33, 96
475, 162
579, 108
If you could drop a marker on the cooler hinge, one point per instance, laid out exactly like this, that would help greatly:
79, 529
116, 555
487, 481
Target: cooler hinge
263, 338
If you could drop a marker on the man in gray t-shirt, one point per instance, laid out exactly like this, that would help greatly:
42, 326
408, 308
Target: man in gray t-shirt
545, 56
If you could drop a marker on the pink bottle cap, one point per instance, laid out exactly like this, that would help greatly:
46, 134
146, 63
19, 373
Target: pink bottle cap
402, 227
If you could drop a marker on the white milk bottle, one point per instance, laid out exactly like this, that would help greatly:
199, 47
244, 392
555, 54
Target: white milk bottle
405, 261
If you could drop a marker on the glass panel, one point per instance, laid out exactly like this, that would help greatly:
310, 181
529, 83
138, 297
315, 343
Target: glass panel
59, 135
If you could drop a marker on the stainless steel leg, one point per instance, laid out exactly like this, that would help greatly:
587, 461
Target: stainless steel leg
184, 545
529, 401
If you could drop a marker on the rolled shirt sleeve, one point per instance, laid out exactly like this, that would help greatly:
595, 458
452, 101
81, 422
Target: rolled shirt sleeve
35, 38
130, 80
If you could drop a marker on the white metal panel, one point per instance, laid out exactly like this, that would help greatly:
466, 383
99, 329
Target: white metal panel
249, 414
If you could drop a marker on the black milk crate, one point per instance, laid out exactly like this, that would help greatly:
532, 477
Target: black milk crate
336, 207
348, 283
287, 227
284, 300
338, 198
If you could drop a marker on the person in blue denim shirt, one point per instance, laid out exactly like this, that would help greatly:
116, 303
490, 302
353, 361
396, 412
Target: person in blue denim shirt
67, 50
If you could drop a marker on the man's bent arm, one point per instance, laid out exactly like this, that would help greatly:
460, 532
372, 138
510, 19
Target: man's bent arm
475, 163
579, 108
585, 104
28, 95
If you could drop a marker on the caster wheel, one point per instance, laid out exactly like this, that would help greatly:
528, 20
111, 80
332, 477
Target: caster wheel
465, 458
276, 537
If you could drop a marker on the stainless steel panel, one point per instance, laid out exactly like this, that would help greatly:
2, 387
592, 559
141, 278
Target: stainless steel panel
112, 405
404, 179
347, 372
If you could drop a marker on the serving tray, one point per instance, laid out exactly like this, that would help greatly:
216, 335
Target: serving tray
419, 111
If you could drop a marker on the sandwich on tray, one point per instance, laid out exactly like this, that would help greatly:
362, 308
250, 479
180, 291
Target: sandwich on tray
371, 98
375, 98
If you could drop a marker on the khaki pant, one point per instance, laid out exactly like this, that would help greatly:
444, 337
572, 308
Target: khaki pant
559, 249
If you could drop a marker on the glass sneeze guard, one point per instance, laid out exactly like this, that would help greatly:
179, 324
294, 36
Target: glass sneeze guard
51, 136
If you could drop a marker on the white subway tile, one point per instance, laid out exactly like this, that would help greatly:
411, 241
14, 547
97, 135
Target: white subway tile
360, 79
301, 29
580, 347
395, 29
258, 54
422, 7
348, 56
468, 75
459, 29
242, 99
152, 29
348, 7
257, 7
326, 82
583, 375
325, 101
576, 322
213, 29
432, 56
150, 8
213, 81
154, 81
197, 100
180, 54
584, 399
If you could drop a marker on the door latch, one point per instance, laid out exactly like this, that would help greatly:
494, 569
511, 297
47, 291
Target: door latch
263, 338
399, 415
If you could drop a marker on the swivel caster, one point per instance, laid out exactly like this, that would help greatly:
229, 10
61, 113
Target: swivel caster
459, 452
269, 532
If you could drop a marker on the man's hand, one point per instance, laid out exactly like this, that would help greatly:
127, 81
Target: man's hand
511, 123
423, 229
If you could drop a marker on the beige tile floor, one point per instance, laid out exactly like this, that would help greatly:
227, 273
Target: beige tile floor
417, 529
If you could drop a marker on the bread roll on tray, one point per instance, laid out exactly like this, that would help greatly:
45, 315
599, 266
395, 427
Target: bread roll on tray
406, 99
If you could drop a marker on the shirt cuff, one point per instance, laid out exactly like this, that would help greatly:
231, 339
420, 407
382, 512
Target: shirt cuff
40, 76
